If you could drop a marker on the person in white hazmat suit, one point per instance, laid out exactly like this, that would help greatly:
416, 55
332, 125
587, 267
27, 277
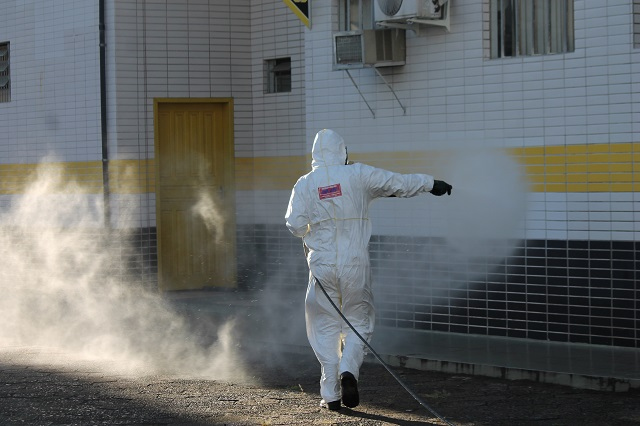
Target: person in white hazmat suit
329, 209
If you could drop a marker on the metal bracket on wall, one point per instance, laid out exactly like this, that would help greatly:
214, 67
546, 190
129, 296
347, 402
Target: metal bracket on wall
404, 110
361, 95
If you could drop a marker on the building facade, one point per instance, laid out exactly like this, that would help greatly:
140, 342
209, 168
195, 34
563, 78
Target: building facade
536, 126
567, 112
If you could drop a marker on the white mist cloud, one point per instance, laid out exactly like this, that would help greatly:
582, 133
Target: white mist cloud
471, 232
206, 208
488, 202
62, 287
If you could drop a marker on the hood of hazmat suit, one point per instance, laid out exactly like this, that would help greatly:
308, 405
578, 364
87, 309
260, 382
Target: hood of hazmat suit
329, 209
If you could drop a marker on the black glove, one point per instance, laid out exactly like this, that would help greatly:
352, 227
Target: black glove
441, 187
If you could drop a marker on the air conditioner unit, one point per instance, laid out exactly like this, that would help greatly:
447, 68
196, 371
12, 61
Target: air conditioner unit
390, 11
369, 48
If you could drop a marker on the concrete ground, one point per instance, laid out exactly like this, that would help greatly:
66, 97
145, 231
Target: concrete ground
42, 386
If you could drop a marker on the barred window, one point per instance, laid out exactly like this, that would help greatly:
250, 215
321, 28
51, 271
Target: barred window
278, 75
5, 78
531, 27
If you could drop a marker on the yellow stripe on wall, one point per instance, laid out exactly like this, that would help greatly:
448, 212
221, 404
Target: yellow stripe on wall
265, 173
78, 177
582, 168
125, 177
131, 176
571, 168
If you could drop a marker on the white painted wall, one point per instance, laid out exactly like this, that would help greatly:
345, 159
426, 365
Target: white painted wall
455, 96
206, 48
55, 92
213, 48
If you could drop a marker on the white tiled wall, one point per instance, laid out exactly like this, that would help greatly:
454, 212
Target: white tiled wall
155, 48
174, 49
456, 99
55, 102
278, 118
454, 95
583, 216
164, 49
207, 48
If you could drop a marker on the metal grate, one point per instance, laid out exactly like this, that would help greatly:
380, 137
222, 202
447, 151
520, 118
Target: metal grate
349, 49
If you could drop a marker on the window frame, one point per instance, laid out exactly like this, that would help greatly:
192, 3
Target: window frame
530, 27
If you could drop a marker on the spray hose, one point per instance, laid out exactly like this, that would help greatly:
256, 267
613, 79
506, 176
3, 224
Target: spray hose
384, 364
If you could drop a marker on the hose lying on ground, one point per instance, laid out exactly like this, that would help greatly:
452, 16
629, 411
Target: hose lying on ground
384, 364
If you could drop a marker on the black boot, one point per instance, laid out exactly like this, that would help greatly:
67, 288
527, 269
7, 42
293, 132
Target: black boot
333, 405
350, 396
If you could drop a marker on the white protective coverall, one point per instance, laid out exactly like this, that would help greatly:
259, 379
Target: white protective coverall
329, 209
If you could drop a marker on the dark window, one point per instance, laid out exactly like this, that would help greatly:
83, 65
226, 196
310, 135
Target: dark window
5, 78
278, 75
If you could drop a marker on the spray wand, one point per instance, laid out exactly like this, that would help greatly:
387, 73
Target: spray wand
384, 364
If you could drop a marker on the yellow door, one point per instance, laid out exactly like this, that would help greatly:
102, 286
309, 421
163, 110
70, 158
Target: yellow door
195, 195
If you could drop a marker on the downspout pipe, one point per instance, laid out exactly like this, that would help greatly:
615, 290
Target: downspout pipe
103, 116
